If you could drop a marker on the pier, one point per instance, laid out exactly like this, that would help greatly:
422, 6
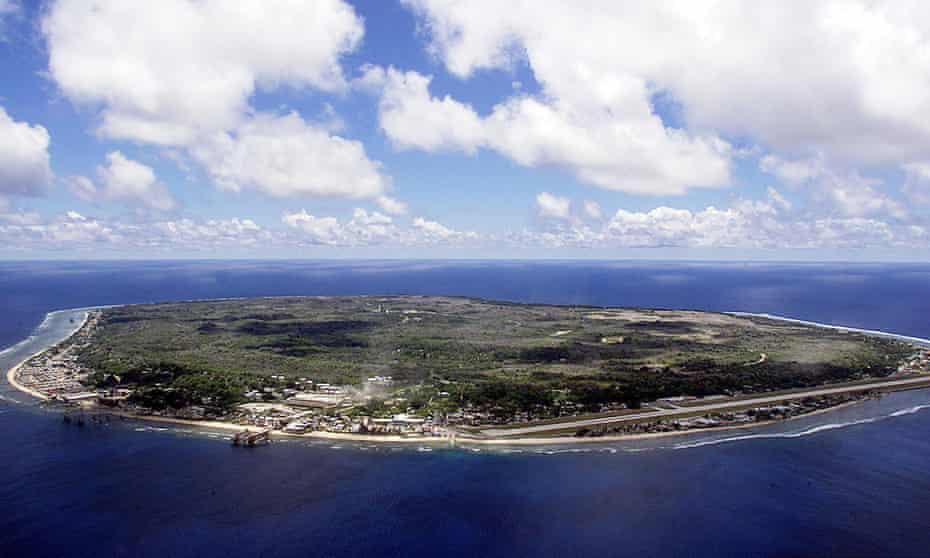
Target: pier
249, 438
79, 416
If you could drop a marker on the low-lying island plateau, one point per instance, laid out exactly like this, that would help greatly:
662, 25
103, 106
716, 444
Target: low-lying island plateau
411, 368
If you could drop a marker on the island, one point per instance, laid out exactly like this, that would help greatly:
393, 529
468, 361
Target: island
453, 368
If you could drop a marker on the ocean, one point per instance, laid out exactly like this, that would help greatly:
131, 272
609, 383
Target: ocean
853, 482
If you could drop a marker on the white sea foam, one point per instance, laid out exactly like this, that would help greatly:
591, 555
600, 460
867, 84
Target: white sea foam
872, 332
9, 400
909, 411
802, 433
15, 347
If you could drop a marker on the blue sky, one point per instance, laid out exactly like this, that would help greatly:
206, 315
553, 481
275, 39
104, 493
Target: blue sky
429, 128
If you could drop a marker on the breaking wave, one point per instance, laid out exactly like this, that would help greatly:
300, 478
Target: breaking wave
802, 433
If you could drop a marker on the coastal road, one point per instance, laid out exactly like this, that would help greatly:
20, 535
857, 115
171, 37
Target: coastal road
717, 406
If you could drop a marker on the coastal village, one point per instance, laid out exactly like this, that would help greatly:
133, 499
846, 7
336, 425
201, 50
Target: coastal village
310, 407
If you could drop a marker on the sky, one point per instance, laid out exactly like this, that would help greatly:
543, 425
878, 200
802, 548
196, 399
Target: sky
791, 130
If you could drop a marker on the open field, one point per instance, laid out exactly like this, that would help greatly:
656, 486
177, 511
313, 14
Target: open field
446, 353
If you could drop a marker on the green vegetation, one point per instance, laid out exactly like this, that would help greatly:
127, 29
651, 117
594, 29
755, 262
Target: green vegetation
447, 353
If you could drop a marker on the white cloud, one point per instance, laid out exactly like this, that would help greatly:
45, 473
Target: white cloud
7, 8
188, 233
413, 119
73, 230
167, 72
777, 199
68, 229
850, 193
919, 171
762, 224
363, 229
847, 79
182, 73
766, 224
833, 91
371, 228
592, 209
18, 217
318, 230
83, 188
432, 232
550, 205
24, 160
368, 229
433, 229
391, 205
856, 196
618, 144
793, 172
286, 156
125, 180
917, 183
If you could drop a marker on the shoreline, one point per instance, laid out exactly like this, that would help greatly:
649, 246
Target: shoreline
869, 332
450, 440
446, 440
11, 377
11, 373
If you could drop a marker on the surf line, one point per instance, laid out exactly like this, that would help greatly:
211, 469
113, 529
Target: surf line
873, 332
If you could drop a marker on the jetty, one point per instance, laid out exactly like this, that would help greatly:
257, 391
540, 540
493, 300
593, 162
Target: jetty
80, 416
249, 438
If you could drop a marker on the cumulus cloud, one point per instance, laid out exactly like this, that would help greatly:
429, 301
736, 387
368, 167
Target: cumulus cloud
849, 193
182, 73
167, 72
67, 229
318, 230
413, 119
857, 196
844, 78
917, 184
188, 233
83, 188
391, 205
73, 230
24, 159
368, 229
747, 224
769, 223
793, 171
9, 216
616, 143
550, 205
592, 209
433, 232
123, 179
287, 156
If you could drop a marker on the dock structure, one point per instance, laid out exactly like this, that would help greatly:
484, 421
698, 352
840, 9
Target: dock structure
79, 416
249, 438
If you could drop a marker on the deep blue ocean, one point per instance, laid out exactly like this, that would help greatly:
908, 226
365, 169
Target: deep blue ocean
854, 482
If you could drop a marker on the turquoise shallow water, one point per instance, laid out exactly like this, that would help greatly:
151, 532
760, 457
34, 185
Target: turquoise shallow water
852, 482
